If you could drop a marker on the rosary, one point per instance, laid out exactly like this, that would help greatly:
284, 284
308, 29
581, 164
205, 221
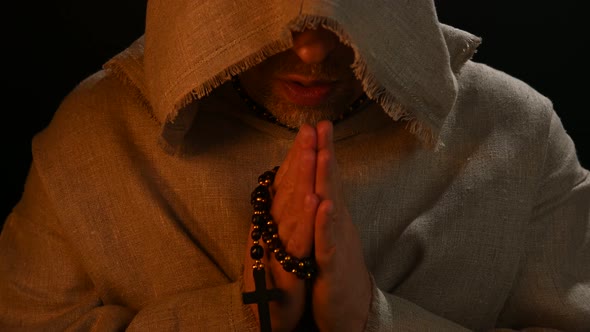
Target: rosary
265, 230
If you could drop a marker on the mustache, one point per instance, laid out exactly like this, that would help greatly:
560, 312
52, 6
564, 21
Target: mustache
331, 69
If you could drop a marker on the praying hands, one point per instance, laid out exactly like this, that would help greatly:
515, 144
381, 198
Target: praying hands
313, 219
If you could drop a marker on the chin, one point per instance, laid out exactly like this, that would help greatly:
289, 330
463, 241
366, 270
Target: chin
295, 117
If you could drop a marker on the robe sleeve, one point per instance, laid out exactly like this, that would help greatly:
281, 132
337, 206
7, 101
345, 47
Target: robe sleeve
45, 287
388, 312
552, 288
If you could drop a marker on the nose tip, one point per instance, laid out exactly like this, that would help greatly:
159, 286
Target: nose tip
314, 46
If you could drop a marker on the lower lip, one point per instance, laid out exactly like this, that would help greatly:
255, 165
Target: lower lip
306, 95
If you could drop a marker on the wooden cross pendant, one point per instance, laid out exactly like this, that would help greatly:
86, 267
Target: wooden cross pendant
261, 296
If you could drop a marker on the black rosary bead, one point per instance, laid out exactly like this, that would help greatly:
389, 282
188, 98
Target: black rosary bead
266, 178
290, 265
271, 228
256, 234
260, 191
259, 219
308, 263
256, 252
301, 274
257, 199
275, 243
280, 255
266, 237
260, 206
271, 245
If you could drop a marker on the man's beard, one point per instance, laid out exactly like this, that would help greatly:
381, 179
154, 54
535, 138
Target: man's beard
294, 116
263, 88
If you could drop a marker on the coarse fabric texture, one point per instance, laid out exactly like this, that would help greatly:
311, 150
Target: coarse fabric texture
136, 209
401, 56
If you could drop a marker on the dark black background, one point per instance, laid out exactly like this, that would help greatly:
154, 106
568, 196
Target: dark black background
50, 46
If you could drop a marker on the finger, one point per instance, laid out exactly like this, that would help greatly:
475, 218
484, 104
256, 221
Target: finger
325, 234
300, 241
305, 140
306, 173
295, 215
327, 183
325, 131
306, 137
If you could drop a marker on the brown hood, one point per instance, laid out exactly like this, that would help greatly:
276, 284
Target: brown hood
405, 59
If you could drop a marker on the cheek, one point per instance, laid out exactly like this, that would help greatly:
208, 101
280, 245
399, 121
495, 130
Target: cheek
262, 73
251, 81
259, 85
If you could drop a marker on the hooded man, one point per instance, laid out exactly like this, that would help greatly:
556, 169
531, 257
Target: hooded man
417, 190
